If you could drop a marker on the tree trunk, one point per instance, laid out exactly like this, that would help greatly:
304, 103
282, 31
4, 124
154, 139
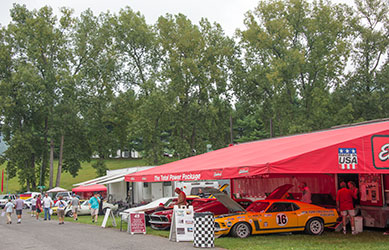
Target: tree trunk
51, 163
33, 181
45, 151
58, 182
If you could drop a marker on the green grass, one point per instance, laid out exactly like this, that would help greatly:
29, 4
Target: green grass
369, 239
328, 241
85, 173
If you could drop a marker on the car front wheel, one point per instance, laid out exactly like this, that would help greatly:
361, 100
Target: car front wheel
69, 214
241, 230
314, 226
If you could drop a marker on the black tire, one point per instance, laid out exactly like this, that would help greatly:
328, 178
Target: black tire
241, 230
69, 214
314, 226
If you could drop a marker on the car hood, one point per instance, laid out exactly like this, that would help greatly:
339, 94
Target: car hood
229, 203
234, 207
164, 212
279, 192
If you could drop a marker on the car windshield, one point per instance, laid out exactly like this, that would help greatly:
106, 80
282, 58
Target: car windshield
258, 206
3, 196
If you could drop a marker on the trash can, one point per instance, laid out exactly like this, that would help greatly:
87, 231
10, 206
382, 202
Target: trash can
204, 230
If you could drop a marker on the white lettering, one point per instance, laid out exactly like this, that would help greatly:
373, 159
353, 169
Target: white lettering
384, 154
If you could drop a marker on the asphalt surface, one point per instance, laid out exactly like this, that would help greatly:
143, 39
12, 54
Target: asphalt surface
42, 235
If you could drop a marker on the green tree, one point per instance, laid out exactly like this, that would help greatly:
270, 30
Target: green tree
365, 87
195, 70
294, 53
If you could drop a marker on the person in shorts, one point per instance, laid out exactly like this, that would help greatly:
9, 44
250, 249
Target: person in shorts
344, 201
19, 204
75, 203
9, 207
33, 206
94, 203
38, 206
61, 204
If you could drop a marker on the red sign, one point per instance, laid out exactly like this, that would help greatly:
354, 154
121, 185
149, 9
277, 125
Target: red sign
137, 223
380, 151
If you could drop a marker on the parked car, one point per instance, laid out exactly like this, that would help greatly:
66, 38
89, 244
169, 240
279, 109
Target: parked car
27, 203
4, 199
84, 210
162, 220
67, 196
273, 216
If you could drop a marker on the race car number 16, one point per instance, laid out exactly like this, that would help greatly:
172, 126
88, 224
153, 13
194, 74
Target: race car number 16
282, 219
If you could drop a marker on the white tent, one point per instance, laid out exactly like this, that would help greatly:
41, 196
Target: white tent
56, 190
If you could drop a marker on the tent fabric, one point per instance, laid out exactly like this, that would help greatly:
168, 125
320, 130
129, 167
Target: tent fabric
56, 190
355, 149
91, 188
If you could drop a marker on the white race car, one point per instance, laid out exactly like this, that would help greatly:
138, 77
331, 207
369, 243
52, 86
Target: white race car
84, 210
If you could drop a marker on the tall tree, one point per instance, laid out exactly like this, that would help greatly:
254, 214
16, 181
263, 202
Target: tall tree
364, 86
195, 70
294, 53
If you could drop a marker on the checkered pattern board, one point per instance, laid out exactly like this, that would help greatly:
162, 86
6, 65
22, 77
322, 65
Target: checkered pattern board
204, 231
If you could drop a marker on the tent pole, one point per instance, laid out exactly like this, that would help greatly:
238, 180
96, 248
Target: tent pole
232, 188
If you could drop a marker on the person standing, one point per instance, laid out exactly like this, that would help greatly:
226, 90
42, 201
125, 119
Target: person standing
181, 201
306, 197
19, 204
47, 204
9, 207
101, 204
61, 204
344, 201
94, 203
33, 206
38, 206
75, 203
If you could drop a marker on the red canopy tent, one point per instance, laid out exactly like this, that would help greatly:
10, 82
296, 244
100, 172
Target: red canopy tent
87, 191
355, 149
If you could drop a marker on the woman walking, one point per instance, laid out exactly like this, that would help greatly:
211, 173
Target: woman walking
9, 207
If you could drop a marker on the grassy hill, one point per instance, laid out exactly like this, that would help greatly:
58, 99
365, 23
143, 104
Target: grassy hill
85, 173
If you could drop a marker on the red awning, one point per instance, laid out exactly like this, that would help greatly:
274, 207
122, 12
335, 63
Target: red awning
91, 188
354, 149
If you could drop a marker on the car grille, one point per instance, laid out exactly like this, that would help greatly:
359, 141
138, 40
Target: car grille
158, 218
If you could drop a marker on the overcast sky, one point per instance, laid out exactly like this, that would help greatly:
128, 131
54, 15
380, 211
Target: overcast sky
228, 13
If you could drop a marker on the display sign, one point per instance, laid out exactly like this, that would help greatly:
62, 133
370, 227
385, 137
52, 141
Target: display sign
380, 151
182, 224
108, 213
370, 189
137, 223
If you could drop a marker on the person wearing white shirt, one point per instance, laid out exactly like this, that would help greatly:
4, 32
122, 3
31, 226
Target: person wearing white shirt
61, 204
33, 206
47, 204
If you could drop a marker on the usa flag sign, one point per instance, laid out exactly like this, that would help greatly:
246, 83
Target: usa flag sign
348, 159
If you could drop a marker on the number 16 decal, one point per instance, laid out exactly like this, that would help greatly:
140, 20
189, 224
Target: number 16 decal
282, 219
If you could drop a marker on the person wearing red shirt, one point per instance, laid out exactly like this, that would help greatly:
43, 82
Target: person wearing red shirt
344, 201
181, 197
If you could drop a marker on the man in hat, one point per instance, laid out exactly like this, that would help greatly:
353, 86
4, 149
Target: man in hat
181, 197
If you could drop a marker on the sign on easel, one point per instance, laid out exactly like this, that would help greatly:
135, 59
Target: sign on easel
108, 214
182, 224
137, 223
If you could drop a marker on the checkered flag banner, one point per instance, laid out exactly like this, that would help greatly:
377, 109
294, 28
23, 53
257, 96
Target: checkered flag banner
204, 230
